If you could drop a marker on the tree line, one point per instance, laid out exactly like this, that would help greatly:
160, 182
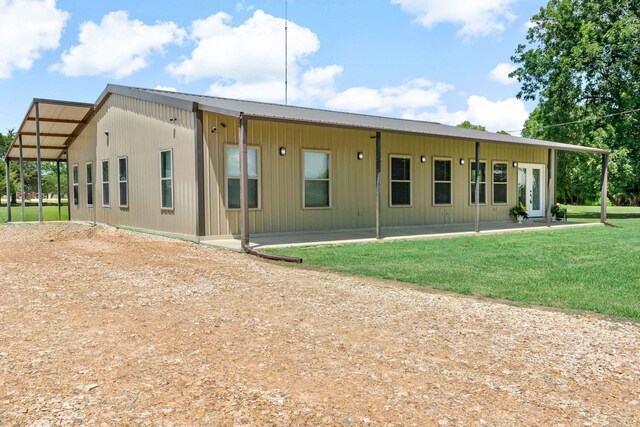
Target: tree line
30, 173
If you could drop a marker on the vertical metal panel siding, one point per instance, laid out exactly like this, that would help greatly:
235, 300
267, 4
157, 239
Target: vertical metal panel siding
82, 151
139, 130
352, 180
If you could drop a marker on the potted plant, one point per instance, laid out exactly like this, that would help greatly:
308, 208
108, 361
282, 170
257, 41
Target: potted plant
558, 212
519, 211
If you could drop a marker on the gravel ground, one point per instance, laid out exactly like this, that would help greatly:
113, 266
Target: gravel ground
106, 327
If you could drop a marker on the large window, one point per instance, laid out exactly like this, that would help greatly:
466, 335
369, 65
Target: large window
166, 179
317, 179
105, 183
233, 177
123, 182
89, 184
500, 183
482, 180
76, 190
400, 180
442, 182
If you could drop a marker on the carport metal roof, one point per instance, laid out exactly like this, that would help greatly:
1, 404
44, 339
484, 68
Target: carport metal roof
59, 121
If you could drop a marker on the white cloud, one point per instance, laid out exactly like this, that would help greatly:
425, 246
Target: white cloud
413, 95
166, 88
28, 27
509, 114
117, 46
501, 73
247, 60
475, 17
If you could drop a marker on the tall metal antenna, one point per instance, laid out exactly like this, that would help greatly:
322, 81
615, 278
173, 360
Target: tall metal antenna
286, 53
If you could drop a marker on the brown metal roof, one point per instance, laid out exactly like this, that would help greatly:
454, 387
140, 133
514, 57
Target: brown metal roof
60, 123
268, 111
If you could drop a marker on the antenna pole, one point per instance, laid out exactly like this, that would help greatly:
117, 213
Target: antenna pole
286, 53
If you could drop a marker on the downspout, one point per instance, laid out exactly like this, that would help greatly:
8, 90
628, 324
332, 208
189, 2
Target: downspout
477, 186
244, 199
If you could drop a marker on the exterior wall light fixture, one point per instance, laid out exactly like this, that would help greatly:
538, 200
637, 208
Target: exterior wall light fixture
461, 161
515, 164
360, 155
282, 151
423, 159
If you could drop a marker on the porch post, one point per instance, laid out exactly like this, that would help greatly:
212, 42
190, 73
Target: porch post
8, 181
378, 185
603, 195
39, 161
244, 184
22, 202
549, 185
200, 194
477, 187
59, 190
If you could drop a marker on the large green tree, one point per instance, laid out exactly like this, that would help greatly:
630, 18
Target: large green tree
582, 64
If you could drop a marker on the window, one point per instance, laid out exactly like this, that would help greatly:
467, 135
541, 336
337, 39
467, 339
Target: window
442, 182
76, 190
233, 177
400, 181
166, 179
89, 184
123, 179
500, 183
317, 179
482, 181
105, 183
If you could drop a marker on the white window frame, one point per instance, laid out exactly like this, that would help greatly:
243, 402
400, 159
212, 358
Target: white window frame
125, 182
103, 182
75, 177
167, 208
226, 176
391, 180
493, 183
471, 183
434, 182
93, 175
304, 180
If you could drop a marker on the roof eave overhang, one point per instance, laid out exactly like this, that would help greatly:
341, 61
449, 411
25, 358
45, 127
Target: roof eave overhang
524, 141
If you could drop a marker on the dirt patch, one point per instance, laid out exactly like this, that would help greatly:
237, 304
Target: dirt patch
99, 325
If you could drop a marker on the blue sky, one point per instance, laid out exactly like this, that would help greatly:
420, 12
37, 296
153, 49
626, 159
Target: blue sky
421, 59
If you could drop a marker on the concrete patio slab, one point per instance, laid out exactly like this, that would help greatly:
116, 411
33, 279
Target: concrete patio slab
367, 235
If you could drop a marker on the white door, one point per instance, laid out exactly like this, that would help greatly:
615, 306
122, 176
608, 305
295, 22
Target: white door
531, 188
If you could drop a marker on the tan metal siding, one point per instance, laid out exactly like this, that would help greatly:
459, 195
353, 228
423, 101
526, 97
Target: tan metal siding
83, 150
352, 181
139, 130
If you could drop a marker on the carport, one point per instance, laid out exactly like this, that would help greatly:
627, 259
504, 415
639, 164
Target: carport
44, 135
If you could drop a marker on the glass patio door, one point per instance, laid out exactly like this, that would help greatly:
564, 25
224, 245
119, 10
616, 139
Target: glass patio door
531, 188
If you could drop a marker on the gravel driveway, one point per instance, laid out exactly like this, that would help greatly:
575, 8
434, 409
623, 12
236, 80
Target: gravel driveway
101, 326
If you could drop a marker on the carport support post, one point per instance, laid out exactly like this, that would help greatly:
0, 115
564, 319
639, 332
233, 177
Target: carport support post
8, 180
378, 185
39, 161
549, 185
477, 186
59, 190
22, 202
603, 195
244, 184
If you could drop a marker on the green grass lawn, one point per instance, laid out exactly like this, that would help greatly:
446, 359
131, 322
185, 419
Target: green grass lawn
49, 213
613, 212
594, 269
